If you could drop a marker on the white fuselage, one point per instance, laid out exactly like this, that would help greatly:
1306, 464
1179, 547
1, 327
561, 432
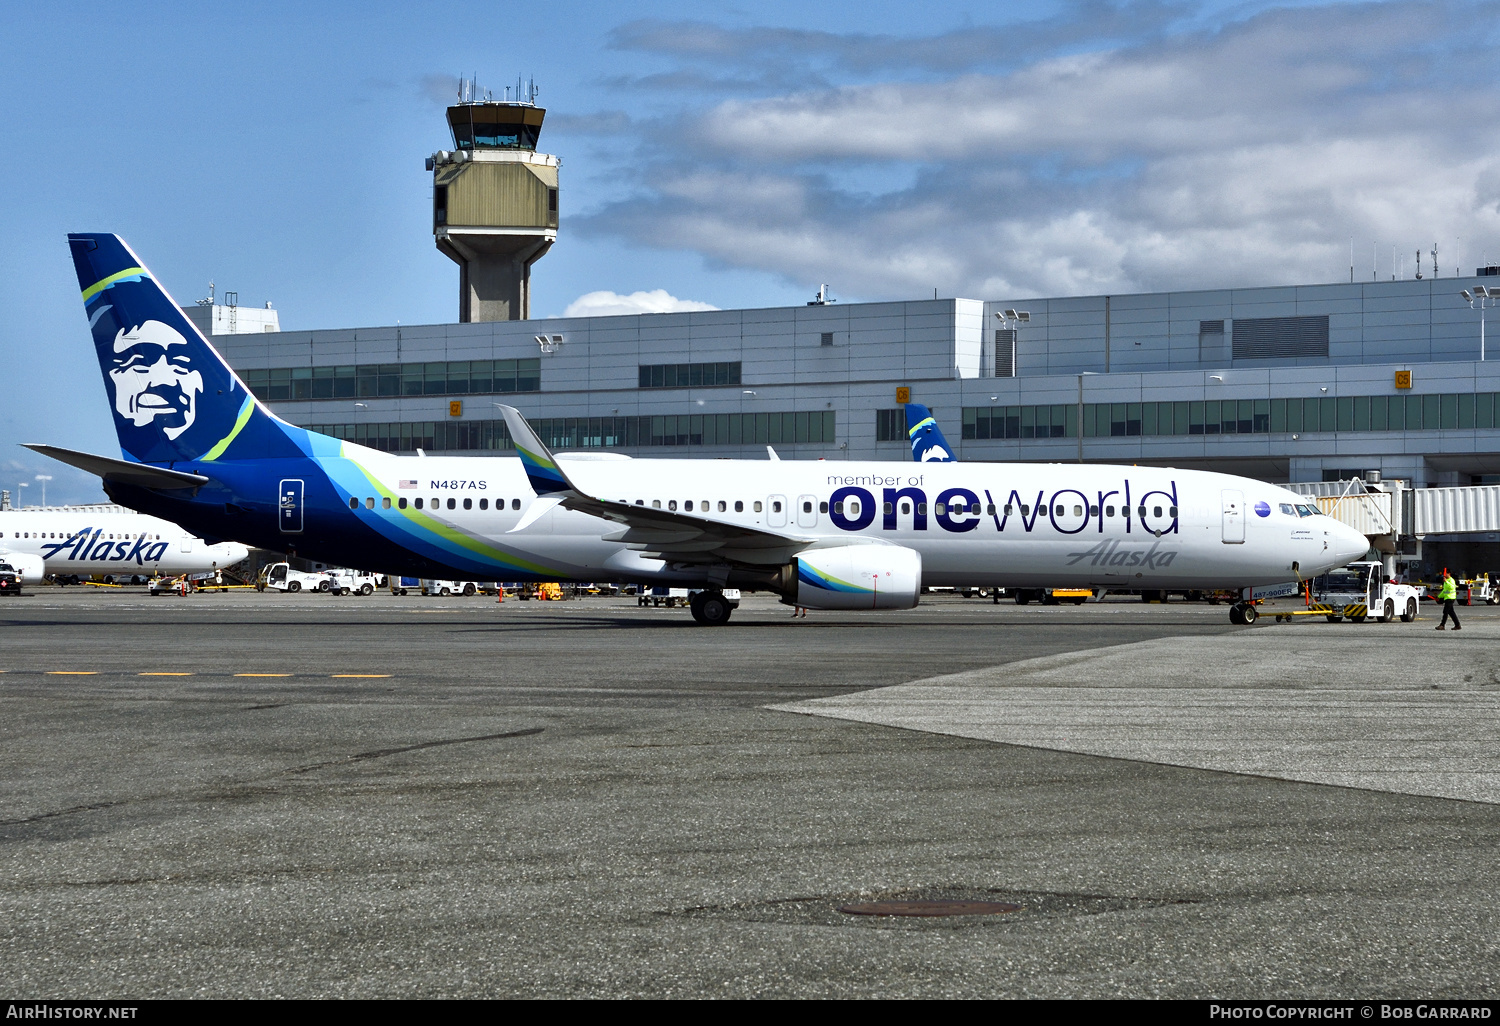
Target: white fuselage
106, 540
1036, 525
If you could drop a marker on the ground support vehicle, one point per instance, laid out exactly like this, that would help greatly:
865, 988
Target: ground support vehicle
1479, 589
1357, 592
660, 596
1053, 596
179, 585
435, 587
281, 577
10, 580
354, 582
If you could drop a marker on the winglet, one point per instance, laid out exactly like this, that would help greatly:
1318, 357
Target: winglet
542, 471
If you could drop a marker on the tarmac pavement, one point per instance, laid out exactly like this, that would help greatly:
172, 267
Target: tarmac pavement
450, 797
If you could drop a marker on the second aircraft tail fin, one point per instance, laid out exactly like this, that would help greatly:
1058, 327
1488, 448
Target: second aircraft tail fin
927, 442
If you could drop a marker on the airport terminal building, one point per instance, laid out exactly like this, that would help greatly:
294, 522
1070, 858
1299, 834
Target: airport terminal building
1288, 384
1295, 384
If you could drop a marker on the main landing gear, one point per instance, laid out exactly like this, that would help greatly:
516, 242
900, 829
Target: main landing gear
710, 608
1243, 614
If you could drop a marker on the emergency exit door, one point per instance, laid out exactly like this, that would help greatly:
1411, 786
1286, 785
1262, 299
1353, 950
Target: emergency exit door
289, 505
1234, 516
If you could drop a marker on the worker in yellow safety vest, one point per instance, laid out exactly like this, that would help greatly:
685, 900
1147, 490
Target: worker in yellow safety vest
1447, 595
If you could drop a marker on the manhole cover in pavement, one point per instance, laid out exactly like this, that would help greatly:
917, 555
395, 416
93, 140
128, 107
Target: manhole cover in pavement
929, 908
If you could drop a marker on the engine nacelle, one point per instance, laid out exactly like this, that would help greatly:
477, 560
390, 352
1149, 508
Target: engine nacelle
29, 566
856, 577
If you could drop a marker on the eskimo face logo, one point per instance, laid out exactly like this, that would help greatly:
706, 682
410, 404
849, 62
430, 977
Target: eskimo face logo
154, 384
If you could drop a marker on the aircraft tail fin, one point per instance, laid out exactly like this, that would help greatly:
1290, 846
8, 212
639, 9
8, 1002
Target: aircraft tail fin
174, 397
927, 442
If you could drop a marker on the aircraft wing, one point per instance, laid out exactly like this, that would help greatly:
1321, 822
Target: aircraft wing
123, 471
658, 533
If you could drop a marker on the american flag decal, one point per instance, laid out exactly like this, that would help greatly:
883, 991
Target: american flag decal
407, 484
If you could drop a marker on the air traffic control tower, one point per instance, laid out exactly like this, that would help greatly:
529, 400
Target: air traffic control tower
494, 201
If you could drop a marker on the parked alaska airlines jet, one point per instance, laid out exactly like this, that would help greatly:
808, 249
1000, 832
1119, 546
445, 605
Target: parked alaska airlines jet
105, 540
202, 451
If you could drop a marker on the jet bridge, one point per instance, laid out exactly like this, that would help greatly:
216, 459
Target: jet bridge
1396, 517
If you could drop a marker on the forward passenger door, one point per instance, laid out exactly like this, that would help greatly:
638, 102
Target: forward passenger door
1234, 516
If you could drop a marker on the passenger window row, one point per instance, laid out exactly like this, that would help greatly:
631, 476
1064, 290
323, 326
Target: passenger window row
702, 506
436, 503
79, 534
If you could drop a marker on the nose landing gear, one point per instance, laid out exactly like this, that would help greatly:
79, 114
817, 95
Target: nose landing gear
1243, 614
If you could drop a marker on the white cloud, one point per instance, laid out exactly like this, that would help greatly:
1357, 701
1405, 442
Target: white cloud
1244, 154
607, 304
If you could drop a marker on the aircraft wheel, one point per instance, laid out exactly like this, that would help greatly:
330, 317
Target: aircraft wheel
1249, 615
712, 609
294, 587
1389, 613
1237, 614
469, 588
367, 589
1411, 611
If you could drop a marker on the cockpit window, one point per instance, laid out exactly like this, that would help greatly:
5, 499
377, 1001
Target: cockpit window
1288, 509
1303, 511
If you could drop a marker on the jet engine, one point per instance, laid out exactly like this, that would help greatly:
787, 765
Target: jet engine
28, 565
854, 577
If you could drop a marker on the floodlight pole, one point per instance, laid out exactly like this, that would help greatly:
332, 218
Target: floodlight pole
1482, 297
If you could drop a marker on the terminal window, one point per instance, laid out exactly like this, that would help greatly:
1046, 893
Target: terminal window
890, 425
1298, 415
688, 375
371, 380
818, 427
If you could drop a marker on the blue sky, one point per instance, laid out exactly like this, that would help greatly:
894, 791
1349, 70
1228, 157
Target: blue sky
735, 156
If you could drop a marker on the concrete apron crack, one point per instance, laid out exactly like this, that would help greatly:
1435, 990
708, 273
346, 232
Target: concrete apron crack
223, 789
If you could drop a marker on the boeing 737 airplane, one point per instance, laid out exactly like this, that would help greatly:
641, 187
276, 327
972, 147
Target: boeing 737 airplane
201, 450
80, 541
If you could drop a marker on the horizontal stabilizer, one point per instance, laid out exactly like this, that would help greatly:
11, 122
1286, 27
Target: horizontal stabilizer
122, 471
